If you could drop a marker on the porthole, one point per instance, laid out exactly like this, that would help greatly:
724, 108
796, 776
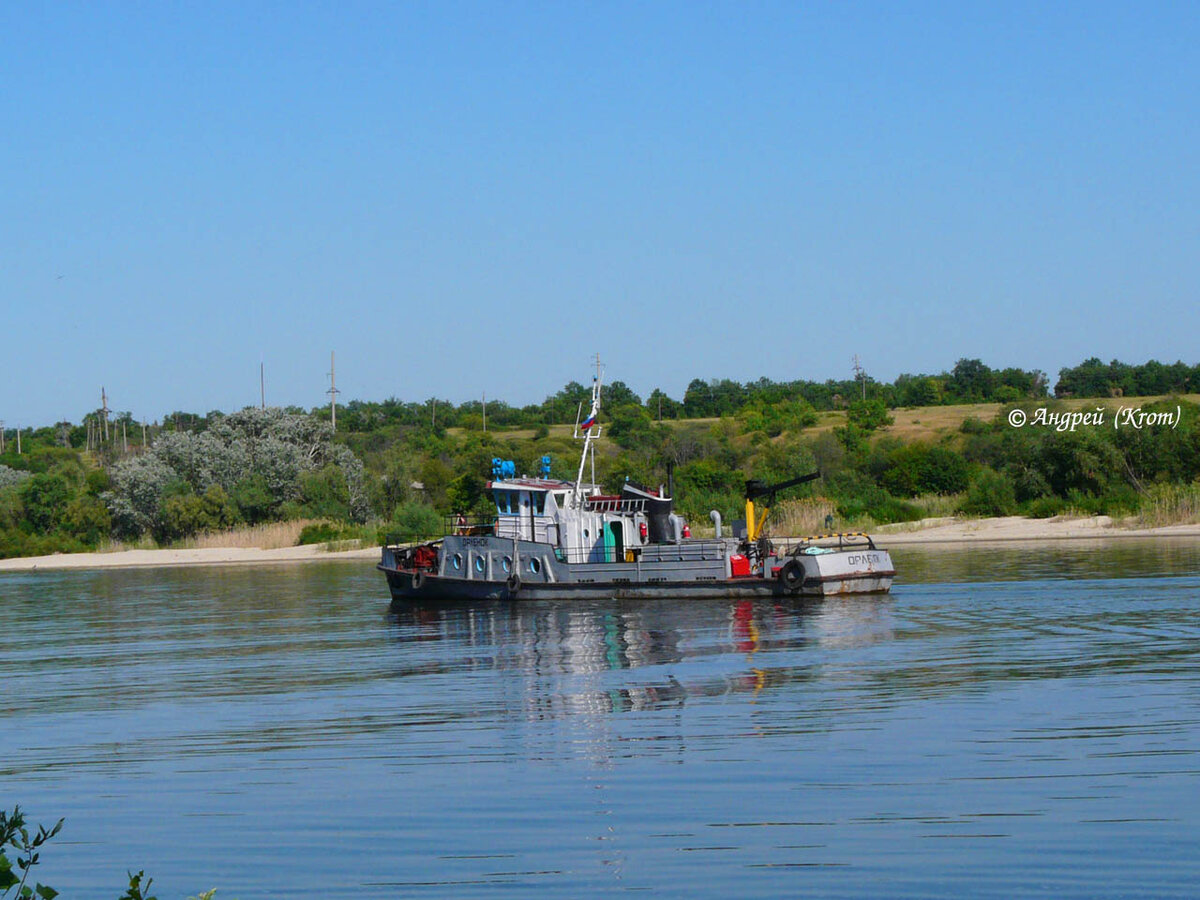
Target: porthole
480, 565
456, 561
535, 566
506, 564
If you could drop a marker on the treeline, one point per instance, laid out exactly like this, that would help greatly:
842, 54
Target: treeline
403, 466
1093, 378
970, 381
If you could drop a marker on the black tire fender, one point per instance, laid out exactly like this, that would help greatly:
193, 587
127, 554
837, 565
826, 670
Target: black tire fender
513, 584
792, 576
418, 580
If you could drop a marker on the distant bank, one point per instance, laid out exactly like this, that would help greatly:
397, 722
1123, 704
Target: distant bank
929, 533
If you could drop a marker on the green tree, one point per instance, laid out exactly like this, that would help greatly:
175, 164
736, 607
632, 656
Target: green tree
45, 497
869, 415
87, 518
253, 499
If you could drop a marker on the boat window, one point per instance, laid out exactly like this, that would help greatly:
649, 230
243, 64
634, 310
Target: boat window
480, 565
560, 497
506, 564
539, 502
456, 561
504, 502
535, 565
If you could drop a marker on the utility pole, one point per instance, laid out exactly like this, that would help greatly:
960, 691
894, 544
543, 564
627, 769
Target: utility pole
485, 412
262, 384
332, 392
124, 438
18, 440
143, 434
860, 375
1, 435
104, 411
433, 412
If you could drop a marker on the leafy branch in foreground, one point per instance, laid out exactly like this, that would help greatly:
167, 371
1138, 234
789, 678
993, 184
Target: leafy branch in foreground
15, 834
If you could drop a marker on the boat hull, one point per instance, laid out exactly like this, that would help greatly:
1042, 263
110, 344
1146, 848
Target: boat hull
412, 586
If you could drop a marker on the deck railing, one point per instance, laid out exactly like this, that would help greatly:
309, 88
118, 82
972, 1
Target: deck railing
614, 505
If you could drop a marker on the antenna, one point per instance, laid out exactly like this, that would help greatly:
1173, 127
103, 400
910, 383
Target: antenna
332, 392
262, 383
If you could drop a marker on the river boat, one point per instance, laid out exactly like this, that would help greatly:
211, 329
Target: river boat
556, 539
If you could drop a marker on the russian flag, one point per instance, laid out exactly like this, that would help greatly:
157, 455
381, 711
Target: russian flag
588, 422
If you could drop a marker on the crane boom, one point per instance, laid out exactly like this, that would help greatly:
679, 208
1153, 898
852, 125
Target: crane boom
756, 488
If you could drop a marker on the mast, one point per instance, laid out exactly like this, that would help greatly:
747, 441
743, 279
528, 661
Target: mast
590, 430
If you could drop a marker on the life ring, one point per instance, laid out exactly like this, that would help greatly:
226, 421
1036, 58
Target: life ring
513, 584
792, 576
418, 580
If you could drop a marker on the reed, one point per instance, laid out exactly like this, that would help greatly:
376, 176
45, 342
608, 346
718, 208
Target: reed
1169, 504
797, 518
268, 536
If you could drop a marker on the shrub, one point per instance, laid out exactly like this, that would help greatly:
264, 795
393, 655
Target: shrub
253, 499
10, 477
868, 414
414, 522
916, 469
1044, 507
990, 494
45, 498
87, 518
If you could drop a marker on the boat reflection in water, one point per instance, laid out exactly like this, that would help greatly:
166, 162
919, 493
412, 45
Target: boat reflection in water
575, 657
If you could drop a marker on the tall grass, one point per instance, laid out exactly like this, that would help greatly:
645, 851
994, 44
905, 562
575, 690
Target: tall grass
268, 536
1169, 504
798, 518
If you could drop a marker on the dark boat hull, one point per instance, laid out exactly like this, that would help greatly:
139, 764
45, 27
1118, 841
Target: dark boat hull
410, 586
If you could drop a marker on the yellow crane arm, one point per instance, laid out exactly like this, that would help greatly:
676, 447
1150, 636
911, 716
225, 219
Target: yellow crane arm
755, 526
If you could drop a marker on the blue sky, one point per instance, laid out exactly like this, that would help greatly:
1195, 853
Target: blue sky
471, 197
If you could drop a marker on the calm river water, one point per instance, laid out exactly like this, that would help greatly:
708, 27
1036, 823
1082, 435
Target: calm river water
1016, 722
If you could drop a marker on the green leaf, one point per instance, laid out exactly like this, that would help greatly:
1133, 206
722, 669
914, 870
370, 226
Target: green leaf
7, 878
46, 893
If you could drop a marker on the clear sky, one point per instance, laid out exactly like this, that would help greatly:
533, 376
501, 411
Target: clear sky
461, 198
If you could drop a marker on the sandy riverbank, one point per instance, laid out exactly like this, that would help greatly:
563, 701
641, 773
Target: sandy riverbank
929, 533
955, 532
227, 556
